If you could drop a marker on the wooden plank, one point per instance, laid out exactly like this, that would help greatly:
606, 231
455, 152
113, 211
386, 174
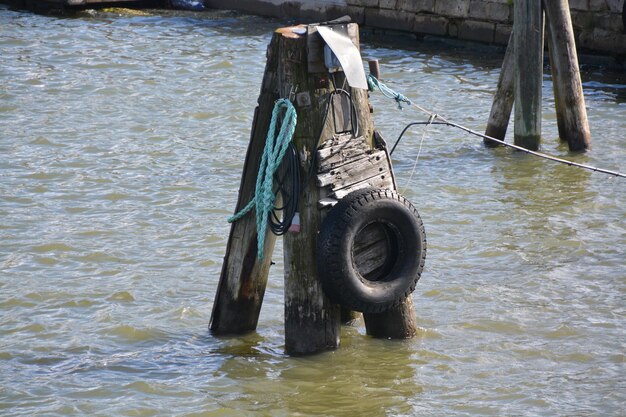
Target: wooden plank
342, 113
371, 250
384, 182
336, 152
339, 140
243, 278
331, 156
357, 170
339, 158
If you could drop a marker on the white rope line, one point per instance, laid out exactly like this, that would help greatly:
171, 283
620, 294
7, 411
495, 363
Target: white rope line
419, 151
387, 92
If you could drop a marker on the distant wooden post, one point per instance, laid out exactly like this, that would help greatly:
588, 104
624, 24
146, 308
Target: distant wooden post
569, 99
374, 67
528, 35
524, 87
503, 99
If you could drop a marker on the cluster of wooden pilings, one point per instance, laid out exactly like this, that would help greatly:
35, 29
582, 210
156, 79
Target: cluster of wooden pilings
295, 69
332, 129
522, 75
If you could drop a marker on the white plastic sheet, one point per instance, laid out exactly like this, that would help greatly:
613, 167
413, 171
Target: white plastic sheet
347, 54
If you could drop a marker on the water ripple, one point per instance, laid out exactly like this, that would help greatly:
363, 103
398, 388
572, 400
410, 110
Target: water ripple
121, 144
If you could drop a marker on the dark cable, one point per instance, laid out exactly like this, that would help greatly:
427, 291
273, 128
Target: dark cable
327, 107
413, 124
319, 136
287, 180
519, 148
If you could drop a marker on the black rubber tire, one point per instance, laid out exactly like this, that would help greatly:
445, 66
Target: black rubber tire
339, 275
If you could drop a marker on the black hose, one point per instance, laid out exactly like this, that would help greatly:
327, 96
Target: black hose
413, 124
287, 180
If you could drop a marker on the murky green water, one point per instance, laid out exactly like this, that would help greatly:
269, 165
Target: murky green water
121, 145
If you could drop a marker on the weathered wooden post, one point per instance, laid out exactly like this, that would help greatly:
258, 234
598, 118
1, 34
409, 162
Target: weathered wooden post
569, 99
522, 71
244, 277
528, 26
374, 67
296, 70
503, 99
312, 321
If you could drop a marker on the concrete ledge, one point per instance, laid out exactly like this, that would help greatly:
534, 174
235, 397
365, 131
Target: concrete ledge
431, 25
604, 41
357, 14
502, 34
389, 19
387, 4
488, 10
452, 8
477, 31
579, 4
310, 11
615, 6
417, 6
363, 3
598, 24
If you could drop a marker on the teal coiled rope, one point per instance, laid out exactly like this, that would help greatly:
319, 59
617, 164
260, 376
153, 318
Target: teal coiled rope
373, 84
275, 148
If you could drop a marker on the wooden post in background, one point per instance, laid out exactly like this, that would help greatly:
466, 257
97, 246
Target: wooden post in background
568, 93
522, 71
528, 35
244, 277
503, 99
374, 67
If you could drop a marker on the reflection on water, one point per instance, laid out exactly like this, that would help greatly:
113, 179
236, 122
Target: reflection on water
384, 381
121, 143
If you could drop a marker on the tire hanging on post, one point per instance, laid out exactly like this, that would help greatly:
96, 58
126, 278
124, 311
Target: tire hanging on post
357, 230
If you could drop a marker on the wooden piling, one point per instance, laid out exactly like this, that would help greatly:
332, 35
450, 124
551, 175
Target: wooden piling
396, 323
244, 277
528, 35
568, 94
374, 67
503, 98
312, 321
